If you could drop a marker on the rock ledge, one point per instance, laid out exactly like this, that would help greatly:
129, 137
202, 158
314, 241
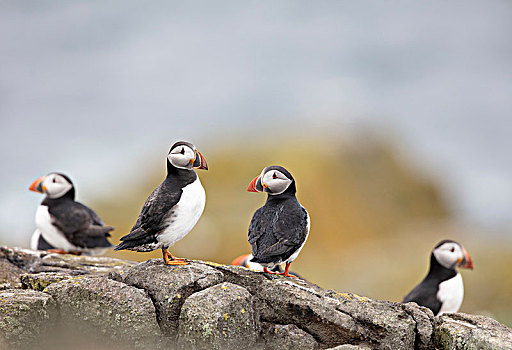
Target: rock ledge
52, 301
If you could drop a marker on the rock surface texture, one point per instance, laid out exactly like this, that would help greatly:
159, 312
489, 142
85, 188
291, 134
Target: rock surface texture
50, 301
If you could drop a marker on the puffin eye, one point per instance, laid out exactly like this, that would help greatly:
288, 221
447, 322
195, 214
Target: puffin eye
274, 176
182, 150
452, 250
54, 181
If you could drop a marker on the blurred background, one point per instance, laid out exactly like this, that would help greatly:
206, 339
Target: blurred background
394, 118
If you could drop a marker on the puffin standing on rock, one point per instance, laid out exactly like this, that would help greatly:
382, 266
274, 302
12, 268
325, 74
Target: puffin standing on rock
63, 225
442, 290
174, 207
280, 228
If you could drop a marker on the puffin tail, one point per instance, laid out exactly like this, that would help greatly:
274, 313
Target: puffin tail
134, 239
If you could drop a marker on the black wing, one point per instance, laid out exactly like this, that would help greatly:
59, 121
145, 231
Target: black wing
79, 226
425, 294
276, 232
151, 219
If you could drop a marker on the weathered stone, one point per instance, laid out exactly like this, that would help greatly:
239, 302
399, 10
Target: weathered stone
286, 337
95, 265
462, 331
219, 317
335, 318
424, 328
24, 259
169, 286
103, 310
9, 274
350, 347
105, 302
25, 317
39, 281
18, 261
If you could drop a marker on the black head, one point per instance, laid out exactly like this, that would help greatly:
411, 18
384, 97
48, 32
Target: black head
184, 155
274, 180
450, 254
54, 185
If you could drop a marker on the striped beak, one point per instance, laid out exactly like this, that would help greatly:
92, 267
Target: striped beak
200, 162
255, 185
37, 185
466, 262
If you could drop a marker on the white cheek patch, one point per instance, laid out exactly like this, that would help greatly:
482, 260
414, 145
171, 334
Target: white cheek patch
182, 161
278, 186
56, 189
446, 257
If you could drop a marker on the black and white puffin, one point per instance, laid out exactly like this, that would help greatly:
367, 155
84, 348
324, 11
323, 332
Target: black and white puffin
64, 225
442, 290
280, 228
173, 208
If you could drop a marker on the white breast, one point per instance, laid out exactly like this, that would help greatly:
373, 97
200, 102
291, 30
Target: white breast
50, 233
451, 294
34, 240
185, 215
296, 254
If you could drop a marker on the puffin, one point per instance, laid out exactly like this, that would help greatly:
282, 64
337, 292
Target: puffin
63, 224
442, 290
279, 229
173, 208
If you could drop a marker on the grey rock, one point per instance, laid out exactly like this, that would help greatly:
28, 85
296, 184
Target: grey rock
25, 316
169, 286
219, 317
350, 347
9, 275
424, 328
462, 331
18, 261
111, 303
286, 337
93, 265
39, 281
105, 310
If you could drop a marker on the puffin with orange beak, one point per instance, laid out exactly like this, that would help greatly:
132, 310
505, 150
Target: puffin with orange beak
64, 225
442, 290
173, 208
279, 229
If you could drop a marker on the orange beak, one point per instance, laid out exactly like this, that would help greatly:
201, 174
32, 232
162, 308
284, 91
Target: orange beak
200, 162
252, 185
37, 185
467, 262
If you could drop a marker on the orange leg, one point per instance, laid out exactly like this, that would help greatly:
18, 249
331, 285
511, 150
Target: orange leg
62, 251
268, 271
285, 273
171, 260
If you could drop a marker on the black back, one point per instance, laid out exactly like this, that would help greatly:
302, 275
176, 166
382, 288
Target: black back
425, 293
80, 224
278, 228
158, 206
